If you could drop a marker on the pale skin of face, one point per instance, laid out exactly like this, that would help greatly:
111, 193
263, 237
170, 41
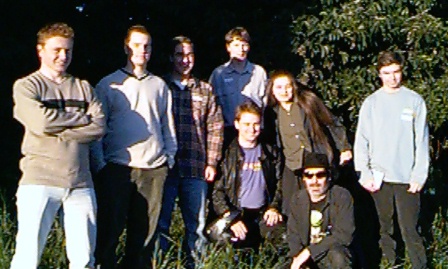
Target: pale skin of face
391, 76
282, 89
138, 50
238, 51
55, 57
316, 187
249, 127
183, 61
317, 190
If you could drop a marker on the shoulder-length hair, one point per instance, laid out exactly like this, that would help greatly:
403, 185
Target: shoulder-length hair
317, 114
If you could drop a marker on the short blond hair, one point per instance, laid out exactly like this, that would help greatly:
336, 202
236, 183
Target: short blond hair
54, 29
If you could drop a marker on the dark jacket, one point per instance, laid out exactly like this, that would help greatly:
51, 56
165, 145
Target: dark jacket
335, 132
226, 188
338, 214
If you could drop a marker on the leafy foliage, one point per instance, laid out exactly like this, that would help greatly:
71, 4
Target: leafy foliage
340, 46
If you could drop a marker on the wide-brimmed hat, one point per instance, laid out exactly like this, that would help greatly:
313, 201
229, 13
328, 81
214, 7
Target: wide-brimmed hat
315, 160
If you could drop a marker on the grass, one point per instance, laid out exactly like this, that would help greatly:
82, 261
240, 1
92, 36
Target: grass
213, 258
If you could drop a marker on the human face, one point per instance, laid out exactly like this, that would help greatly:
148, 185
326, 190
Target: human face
138, 49
238, 49
316, 183
390, 76
183, 59
55, 54
282, 89
248, 127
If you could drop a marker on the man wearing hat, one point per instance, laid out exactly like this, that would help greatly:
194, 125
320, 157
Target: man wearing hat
321, 223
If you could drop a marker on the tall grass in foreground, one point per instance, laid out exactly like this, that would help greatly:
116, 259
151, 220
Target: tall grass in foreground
214, 258
53, 256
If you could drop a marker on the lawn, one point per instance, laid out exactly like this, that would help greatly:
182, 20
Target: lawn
214, 258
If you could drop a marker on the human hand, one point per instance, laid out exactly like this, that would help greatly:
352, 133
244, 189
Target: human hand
345, 157
295, 264
414, 187
300, 259
370, 186
210, 173
272, 217
239, 230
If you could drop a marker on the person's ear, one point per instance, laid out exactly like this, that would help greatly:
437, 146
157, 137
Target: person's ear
39, 48
228, 47
237, 124
126, 49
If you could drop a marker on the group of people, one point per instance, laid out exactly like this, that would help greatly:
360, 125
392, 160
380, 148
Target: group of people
262, 151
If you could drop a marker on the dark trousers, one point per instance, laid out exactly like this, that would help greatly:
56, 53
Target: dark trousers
257, 231
290, 188
132, 198
338, 257
393, 197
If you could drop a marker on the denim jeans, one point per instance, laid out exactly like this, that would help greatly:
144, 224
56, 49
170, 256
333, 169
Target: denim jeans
393, 197
192, 195
37, 206
128, 197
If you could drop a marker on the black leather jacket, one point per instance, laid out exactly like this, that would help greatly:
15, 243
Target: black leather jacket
226, 188
338, 216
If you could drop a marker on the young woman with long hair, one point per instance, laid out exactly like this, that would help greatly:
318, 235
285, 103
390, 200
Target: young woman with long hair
298, 121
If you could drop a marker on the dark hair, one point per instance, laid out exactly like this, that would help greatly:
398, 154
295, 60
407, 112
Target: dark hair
238, 33
386, 58
180, 40
54, 29
318, 115
136, 29
248, 106
270, 85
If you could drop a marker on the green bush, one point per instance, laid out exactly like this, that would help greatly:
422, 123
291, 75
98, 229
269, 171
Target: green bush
340, 46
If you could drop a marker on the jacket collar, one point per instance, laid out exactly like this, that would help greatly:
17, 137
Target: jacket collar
235, 146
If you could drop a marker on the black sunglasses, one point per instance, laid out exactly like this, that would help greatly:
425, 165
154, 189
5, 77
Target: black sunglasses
319, 175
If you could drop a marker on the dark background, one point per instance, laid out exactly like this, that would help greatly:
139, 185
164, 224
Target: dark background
100, 27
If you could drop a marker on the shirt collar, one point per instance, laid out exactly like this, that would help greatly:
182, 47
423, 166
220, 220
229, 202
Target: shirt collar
247, 69
192, 83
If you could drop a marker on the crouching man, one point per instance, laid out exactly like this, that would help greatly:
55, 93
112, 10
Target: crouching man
321, 223
249, 182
